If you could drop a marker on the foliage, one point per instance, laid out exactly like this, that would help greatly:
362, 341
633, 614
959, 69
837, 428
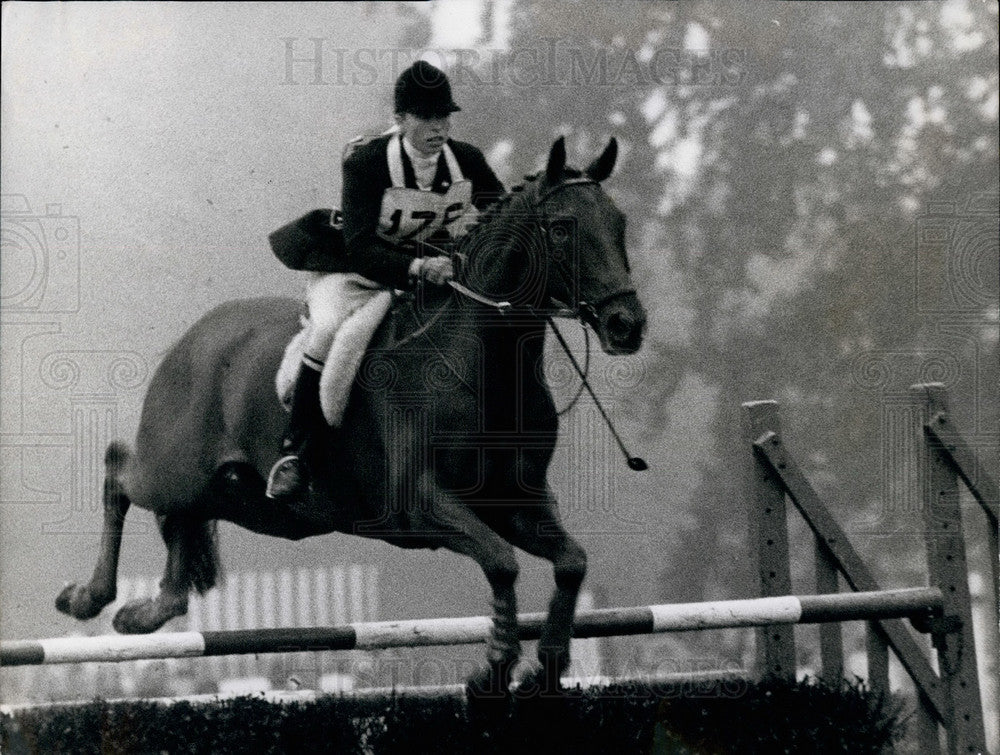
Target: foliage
777, 176
765, 717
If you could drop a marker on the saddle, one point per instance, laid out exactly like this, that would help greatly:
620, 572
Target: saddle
409, 314
342, 363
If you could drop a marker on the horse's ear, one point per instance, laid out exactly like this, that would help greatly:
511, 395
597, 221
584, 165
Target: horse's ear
601, 167
557, 161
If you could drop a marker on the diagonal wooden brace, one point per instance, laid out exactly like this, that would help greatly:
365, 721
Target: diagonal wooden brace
850, 564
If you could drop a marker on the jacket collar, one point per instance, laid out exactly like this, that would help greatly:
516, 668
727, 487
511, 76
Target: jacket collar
401, 171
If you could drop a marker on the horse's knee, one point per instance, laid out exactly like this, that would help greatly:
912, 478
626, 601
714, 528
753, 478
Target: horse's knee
502, 571
115, 499
571, 566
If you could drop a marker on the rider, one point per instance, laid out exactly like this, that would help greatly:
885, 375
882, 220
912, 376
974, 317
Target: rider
409, 185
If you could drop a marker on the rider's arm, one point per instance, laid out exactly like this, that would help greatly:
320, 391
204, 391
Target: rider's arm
366, 253
486, 187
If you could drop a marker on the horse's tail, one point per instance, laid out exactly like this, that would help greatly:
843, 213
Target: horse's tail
115, 459
197, 542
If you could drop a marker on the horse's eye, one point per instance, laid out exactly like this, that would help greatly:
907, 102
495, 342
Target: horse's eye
559, 232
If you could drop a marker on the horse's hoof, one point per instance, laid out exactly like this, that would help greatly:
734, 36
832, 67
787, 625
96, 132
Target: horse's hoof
145, 615
539, 682
491, 681
81, 602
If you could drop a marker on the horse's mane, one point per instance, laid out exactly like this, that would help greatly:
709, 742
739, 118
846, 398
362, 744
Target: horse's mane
503, 202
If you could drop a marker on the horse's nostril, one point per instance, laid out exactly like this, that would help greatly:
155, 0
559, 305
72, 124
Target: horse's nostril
620, 323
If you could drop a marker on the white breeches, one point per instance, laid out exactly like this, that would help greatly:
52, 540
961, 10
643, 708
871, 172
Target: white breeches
332, 298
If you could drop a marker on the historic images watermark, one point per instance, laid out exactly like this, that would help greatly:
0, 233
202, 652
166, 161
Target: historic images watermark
667, 678
956, 257
555, 62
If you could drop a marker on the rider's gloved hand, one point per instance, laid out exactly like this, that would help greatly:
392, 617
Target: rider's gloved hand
436, 270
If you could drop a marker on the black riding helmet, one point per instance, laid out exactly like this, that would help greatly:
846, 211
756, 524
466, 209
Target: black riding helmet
423, 90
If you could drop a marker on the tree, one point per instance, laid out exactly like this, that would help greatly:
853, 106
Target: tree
778, 164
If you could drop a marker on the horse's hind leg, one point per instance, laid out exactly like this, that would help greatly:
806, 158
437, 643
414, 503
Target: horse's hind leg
86, 601
538, 530
191, 562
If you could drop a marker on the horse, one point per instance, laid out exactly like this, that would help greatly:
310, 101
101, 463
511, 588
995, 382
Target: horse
448, 433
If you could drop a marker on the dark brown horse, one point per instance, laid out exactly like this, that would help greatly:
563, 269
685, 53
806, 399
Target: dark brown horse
448, 434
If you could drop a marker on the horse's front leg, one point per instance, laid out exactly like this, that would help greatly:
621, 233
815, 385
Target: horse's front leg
461, 531
538, 530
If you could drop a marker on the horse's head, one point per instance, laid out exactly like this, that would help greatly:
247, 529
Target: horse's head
588, 267
560, 237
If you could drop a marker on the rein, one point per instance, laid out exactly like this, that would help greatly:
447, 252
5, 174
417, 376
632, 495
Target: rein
582, 310
504, 307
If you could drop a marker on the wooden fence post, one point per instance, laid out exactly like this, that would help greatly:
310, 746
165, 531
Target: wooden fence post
947, 568
877, 650
925, 726
977, 478
769, 541
831, 645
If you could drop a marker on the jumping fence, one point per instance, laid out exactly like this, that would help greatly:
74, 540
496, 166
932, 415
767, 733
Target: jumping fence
949, 696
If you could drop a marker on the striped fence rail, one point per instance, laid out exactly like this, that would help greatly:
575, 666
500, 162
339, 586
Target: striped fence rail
917, 603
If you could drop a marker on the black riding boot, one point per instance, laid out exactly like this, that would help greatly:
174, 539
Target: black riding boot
289, 476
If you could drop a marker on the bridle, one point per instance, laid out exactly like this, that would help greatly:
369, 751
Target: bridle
581, 310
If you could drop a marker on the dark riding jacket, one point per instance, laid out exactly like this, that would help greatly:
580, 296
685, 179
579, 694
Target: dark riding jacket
366, 178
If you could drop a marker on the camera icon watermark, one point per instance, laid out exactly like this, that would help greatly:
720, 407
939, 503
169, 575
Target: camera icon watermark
957, 255
39, 258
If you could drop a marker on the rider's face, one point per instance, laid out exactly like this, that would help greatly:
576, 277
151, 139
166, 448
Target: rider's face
426, 134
